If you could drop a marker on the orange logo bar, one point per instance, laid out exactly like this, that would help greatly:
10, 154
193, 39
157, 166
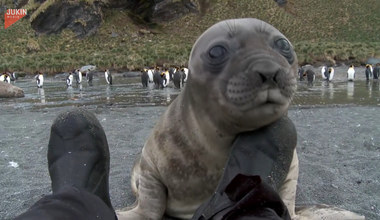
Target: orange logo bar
13, 15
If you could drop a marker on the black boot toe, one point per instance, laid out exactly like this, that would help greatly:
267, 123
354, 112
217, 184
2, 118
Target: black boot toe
78, 154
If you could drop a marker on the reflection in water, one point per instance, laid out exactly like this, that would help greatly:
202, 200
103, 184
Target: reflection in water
329, 90
41, 93
168, 98
375, 85
108, 92
70, 92
324, 84
325, 93
128, 92
350, 89
80, 91
369, 88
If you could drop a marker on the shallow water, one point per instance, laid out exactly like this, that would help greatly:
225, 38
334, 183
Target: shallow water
322, 93
128, 92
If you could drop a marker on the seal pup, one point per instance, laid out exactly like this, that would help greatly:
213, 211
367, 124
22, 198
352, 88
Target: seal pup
242, 76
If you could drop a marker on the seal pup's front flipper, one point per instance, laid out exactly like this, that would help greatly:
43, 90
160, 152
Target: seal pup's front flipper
150, 193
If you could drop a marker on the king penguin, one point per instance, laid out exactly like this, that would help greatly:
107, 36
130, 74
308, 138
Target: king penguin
40, 80
144, 77
69, 80
351, 73
80, 76
108, 77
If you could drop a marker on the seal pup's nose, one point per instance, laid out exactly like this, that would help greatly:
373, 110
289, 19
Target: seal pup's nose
271, 76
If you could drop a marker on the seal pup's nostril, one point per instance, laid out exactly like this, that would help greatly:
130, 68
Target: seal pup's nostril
263, 77
268, 76
275, 77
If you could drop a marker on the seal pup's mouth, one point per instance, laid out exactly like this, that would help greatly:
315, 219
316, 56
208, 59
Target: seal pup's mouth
246, 92
270, 96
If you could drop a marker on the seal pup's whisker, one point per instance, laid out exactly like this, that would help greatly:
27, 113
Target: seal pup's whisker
232, 30
263, 27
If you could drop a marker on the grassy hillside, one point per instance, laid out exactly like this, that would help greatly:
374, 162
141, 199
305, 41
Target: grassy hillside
322, 31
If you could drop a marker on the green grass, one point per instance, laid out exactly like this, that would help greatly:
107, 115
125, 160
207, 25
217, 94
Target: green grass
322, 31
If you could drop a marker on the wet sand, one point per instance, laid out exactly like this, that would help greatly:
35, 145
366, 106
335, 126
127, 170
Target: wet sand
339, 152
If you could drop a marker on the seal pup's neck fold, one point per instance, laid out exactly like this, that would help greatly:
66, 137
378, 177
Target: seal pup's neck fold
196, 117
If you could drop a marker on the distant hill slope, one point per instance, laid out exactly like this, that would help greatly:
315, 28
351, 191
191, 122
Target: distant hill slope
322, 31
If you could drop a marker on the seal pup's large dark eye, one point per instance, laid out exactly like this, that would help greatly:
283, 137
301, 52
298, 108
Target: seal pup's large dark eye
215, 57
284, 47
217, 52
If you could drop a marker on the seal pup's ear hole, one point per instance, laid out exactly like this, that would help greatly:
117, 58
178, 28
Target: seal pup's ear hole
283, 46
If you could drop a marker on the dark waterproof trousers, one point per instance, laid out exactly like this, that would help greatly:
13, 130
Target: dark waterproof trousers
69, 204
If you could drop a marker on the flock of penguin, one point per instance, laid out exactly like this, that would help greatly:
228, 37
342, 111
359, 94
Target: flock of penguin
327, 73
76, 74
162, 77
159, 76
7, 77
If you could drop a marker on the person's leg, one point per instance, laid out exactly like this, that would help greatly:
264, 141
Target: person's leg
255, 171
69, 203
78, 160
